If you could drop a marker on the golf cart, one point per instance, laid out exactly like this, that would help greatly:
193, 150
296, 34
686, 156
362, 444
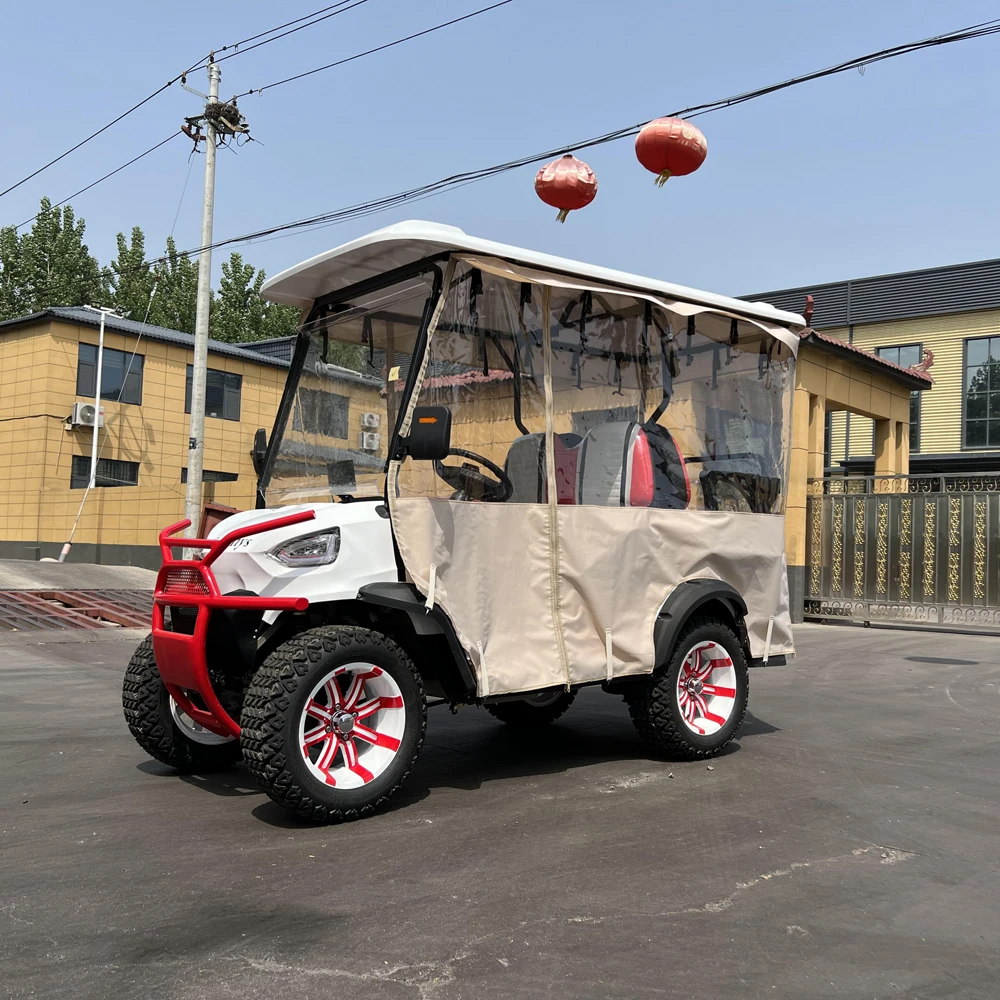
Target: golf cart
565, 476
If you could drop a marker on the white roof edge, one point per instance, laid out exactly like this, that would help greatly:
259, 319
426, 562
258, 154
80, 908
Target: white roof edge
296, 286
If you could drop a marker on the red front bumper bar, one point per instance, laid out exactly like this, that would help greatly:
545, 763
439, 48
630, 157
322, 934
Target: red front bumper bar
190, 583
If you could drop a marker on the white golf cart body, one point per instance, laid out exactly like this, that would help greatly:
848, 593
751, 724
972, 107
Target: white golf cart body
667, 411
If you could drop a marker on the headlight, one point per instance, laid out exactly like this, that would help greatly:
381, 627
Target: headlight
317, 549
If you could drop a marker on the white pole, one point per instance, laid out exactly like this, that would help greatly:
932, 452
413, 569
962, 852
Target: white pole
196, 443
92, 481
97, 404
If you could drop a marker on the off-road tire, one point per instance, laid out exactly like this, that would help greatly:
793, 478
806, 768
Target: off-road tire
524, 715
146, 703
653, 703
275, 700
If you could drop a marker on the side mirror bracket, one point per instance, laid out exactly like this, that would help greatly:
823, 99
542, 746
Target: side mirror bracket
259, 451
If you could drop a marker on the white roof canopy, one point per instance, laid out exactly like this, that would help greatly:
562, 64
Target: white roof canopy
407, 242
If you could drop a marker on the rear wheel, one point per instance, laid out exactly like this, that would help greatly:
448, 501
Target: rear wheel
332, 722
162, 729
539, 710
693, 706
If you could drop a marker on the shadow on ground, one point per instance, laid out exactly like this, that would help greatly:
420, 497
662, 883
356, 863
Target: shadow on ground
464, 754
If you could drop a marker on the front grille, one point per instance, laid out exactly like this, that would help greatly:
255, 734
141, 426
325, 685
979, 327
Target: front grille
184, 581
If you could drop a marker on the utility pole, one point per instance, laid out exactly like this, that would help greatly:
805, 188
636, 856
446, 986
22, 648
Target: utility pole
199, 369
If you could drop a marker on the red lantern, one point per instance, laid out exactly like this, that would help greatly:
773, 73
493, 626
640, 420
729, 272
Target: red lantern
669, 146
566, 184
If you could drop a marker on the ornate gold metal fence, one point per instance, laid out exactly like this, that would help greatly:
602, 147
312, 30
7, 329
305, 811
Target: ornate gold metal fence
904, 548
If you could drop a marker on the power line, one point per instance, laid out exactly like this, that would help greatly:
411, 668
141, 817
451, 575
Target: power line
378, 48
180, 202
342, 8
134, 159
261, 34
93, 135
363, 209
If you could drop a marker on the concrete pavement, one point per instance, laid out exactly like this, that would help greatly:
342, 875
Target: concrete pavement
24, 574
846, 847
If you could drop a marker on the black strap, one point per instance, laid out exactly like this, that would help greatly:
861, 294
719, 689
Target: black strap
647, 322
368, 337
669, 369
764, 357
586, 307
475, 290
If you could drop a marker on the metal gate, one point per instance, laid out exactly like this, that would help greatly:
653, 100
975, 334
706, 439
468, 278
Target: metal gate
922, 549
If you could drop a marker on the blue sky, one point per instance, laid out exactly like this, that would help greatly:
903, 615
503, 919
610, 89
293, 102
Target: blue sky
849, 176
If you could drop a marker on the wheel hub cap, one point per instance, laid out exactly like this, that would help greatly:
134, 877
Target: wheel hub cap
342, 722
706, 688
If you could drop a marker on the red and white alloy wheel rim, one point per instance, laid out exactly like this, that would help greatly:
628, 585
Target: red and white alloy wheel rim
706, 688
352, 725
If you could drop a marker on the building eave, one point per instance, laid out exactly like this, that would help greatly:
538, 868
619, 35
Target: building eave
907, 377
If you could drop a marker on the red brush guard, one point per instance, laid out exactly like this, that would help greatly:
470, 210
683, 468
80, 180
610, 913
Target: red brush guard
190, 583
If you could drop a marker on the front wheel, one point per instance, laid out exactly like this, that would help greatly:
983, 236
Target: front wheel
162, 729
332, 722
693, 706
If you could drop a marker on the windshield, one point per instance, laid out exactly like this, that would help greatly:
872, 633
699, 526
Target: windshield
335, 435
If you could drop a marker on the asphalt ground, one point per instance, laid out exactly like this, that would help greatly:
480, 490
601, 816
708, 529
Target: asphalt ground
846, 846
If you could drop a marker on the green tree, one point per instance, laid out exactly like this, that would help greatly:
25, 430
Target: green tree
240, 315
12, 302
239, 310
279, 320
130, 277
176, 297
49, 265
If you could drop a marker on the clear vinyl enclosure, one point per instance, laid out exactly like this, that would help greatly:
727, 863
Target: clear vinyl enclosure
606, 446
649, 408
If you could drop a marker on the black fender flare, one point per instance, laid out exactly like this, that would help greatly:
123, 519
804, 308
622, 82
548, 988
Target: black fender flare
461, 681
684, 600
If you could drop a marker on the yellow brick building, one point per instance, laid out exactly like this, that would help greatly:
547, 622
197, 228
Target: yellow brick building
47, 365
946, 317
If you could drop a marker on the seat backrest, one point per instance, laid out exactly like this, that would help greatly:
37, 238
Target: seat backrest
671, 485
615, 466
525, 468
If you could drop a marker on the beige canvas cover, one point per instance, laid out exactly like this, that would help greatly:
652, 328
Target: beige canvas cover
564, 586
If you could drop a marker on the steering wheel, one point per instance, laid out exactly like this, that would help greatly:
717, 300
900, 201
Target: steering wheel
469, 483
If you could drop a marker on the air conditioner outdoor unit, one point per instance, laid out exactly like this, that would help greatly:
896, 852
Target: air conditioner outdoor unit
369, 419
369, 441
84, 414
